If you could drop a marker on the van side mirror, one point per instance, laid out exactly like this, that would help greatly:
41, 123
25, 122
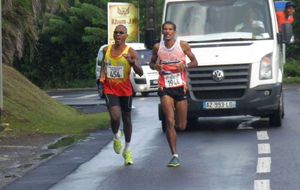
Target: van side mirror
149, 38
287, 35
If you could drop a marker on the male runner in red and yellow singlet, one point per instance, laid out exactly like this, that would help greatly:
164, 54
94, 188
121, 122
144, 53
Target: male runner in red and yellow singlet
115, 71
168, 59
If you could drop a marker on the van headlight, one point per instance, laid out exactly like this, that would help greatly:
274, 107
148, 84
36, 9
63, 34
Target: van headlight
265, 71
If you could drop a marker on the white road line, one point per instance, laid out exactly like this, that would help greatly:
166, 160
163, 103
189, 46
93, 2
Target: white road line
244, 127
262, 135
4, 158
263, 165
87, 96
264, 148
262, 184
56, 97
15, 146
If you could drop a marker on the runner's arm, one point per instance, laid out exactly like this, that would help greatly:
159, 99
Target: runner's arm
103, 66
154, 63
187, 50
133, 59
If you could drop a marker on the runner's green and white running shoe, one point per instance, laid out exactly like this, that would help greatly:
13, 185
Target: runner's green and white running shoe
117, 145
174, 162
127, 158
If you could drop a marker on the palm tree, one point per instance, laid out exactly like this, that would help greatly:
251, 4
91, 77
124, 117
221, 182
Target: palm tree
20, 24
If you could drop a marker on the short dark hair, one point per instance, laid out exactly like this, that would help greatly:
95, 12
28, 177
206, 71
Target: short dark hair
169, 22
290, 4
122, 26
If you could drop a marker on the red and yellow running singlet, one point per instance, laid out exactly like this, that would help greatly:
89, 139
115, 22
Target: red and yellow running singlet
117, 71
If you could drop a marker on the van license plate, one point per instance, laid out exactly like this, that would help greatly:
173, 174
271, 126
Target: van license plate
219, 105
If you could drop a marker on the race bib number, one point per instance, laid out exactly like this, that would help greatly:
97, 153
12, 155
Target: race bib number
115, 72
173, 80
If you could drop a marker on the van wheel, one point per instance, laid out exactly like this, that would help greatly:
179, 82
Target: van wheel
275, 119
145, 94
192, 123
133, 93
100, 90
162, 118
163, 124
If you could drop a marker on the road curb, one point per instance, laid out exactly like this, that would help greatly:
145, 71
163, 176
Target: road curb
48, 173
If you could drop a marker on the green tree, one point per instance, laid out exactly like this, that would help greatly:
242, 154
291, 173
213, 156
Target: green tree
68, 45
69, 33
17, 27
20, 29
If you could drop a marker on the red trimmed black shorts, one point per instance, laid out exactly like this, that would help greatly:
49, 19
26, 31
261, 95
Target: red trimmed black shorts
176, 93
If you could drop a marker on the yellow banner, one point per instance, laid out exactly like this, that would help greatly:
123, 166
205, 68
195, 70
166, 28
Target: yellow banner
126, 14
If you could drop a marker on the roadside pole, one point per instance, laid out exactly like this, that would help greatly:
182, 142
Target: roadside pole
1, 72
150, 25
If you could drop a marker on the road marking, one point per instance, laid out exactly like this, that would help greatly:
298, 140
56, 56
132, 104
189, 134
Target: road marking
263, 165
15, 146
91, 175
264, 148
56, 97
262, 184
244, 127
4, 158
247, 124
262, 135
87, 96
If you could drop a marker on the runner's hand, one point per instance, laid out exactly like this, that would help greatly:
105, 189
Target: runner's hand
180, 66
102, 80
158, 67
129, 58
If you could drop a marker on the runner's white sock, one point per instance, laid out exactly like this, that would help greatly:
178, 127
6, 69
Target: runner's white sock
118, 134
175, 155
126, 146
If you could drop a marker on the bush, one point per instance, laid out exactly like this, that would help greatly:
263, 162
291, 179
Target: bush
292, 68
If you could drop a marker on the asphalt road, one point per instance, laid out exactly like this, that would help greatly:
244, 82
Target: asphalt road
242, 153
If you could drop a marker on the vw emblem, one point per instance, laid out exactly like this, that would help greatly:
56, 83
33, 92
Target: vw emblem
218, 75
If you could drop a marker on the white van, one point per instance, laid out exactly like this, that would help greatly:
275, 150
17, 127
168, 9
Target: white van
239, 71
146, 83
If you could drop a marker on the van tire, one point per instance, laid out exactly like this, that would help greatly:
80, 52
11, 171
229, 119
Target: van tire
275, 119
133, 93
145, 94
163, 124
162, 118
192, 123
99, 90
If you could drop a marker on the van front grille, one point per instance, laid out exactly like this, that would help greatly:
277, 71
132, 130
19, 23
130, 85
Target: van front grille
205, 84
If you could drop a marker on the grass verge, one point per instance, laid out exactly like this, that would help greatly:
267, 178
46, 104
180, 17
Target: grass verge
29, 110
292, 72
291, 80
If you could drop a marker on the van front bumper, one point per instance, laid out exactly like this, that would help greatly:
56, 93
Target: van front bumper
262, 101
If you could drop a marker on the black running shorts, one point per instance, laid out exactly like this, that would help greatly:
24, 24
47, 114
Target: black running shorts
176, 93
125, 102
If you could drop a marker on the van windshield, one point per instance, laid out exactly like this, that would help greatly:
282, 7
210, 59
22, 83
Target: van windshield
219, 20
